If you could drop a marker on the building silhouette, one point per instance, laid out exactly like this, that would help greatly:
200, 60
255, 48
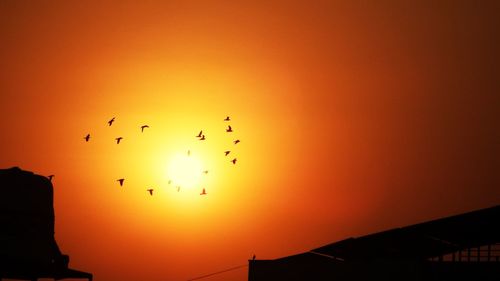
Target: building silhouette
461, 247
28, 250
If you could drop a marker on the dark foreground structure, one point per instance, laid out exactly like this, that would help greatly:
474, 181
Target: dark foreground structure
462, 247
28, 250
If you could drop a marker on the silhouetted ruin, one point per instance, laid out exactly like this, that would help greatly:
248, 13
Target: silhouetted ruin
28, 249
462, 247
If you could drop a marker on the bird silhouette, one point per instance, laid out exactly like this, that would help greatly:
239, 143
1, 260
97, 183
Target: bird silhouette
189, 152
203, 192
226, 152
87, 137
144, 127
178, 188
253, 258
118, 139
110, 122
120, 181
227, 118
234, 160
50, 177
205, 172
236, 141
229, 129
150, 191
200, 134
202, 137
170, 181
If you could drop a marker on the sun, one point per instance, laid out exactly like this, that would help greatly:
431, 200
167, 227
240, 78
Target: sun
185, 170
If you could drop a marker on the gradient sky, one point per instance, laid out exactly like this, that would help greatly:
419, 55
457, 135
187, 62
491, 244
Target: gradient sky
354, 116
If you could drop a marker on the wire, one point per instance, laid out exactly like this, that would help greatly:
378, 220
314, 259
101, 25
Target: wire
218, 272
326, 256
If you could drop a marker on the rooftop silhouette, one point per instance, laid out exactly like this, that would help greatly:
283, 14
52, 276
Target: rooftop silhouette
28, 249
461, 247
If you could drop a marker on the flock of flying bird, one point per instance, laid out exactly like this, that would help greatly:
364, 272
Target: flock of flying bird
200, 136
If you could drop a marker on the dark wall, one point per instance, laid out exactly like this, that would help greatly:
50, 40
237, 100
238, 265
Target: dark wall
314, 270
323, 269
26, 218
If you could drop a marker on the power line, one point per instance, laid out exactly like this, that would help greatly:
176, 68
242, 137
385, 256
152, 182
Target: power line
218, 272
326, 256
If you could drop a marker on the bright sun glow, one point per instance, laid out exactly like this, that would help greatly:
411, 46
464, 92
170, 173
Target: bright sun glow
185, 171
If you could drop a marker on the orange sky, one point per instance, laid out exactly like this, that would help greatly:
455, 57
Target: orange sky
354, 117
